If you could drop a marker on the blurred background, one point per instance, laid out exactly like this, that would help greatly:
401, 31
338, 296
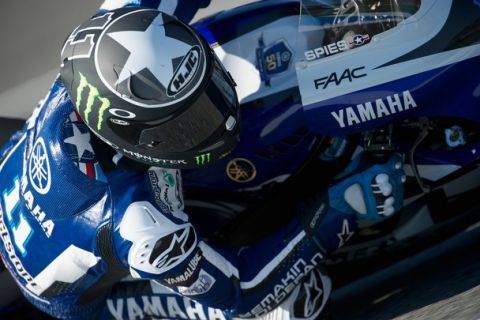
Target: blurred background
32, 34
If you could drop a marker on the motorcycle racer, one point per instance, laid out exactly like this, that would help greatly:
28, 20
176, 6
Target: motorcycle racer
81, 211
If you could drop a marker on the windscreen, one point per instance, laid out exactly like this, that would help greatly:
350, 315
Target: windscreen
335, 26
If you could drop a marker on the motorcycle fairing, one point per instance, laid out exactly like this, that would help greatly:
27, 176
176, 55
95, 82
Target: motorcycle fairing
429, 55
274, 116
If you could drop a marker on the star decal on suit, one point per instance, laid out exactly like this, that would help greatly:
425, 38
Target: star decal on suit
345, 235
80, 140
141, 58
314, 292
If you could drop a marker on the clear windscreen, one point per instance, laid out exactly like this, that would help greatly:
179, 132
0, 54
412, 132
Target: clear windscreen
335, 26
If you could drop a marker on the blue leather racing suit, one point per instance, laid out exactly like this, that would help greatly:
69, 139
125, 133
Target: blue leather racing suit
85, 238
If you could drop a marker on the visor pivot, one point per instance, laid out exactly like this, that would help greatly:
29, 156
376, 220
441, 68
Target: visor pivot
230, 123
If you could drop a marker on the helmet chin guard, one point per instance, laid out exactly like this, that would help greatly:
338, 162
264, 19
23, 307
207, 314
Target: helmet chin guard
149, 86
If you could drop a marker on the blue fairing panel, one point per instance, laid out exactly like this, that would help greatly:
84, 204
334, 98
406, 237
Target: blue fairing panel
411, 97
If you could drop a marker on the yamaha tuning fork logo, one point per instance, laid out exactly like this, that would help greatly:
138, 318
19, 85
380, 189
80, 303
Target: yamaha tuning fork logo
150, 59
39, 168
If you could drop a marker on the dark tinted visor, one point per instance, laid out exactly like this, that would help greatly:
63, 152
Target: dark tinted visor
202, 123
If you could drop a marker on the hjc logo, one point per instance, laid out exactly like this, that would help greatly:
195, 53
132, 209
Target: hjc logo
349, 74
185, 71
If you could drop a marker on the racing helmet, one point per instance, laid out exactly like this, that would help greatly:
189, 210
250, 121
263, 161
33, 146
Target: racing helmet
149, 86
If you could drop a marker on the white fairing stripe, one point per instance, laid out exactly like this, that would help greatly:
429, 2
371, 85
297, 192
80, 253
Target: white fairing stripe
114, 4
268, 269
385, 47
432, 172
168, 6
218, 260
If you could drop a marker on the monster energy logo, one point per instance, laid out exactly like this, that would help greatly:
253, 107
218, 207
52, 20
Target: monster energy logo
93, 94
203, 159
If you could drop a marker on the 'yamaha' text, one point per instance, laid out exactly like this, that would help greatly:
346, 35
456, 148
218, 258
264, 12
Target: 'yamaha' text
372, 110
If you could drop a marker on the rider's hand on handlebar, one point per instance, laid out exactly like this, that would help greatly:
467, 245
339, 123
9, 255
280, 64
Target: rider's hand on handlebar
369, 190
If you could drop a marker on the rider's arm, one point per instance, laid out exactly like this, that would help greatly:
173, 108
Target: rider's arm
184, 10
156, 241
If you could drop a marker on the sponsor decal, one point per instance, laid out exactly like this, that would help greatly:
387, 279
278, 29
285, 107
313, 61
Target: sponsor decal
203, 159
314, 293
124, 114
36, 211
39, 168
285, 287
345, 234
372, 110
93, 96
157, 192
272, 59
173, 248
120, 122
328, 50
241, 170
166, 191
168, 178
309, 299
150, 159
184, 278
350, 42
185, 71
359, 40
337, 78
12, 256
161, 307
316, 216
454, 136
202, 285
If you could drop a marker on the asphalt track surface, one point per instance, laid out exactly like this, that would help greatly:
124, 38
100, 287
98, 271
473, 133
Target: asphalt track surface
32, 33
442, 282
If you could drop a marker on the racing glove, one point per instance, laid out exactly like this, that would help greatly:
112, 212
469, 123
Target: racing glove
368, 190
364, 191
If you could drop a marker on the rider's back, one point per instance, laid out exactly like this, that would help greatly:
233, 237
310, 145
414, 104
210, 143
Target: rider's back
56, 216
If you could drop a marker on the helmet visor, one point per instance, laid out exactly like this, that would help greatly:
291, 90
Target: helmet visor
203, 123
